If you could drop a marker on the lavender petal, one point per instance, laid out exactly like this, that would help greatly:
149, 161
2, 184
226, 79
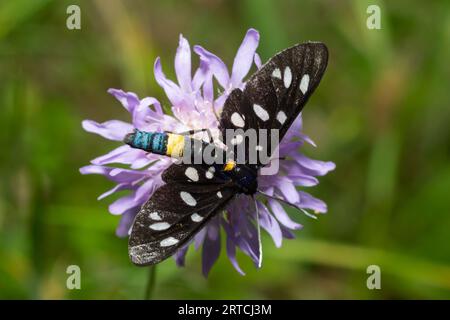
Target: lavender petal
211, 247
244, 57
183, 65
112, 129
216, 65
282, 216
172, 91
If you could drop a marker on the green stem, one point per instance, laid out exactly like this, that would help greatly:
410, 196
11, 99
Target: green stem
150, 283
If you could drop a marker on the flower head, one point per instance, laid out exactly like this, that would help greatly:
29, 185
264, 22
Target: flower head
194, 105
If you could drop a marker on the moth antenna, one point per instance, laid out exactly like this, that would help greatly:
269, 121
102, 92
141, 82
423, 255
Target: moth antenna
288, 203
258, 230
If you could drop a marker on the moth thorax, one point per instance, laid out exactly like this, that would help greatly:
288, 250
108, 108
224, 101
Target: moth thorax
246, 178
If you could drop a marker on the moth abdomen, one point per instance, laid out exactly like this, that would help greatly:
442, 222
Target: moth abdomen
155, 142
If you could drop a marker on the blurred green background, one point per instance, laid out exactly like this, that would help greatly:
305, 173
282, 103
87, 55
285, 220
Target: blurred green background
381, 114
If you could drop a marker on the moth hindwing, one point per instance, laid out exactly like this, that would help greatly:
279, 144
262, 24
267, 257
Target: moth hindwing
176, 212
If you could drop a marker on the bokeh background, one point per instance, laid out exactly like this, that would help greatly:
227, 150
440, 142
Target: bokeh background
381, 114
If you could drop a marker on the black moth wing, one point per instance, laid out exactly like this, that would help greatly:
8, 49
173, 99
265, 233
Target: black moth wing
172, 216
193, 174
275, 95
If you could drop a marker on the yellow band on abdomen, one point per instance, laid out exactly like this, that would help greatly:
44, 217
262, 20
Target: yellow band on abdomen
175, 145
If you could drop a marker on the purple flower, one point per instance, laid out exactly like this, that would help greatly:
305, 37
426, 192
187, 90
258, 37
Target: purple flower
193, 106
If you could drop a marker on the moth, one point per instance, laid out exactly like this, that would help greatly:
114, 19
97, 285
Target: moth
194, 193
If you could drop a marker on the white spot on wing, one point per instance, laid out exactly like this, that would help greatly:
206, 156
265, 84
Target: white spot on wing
155, 216
219, 194
210, 173
167, 242
196, 217
160, 226
304, 83
281, 117
260, 112
276, 73
258, 148
237, 120
287, 77
188, 198
191, 173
